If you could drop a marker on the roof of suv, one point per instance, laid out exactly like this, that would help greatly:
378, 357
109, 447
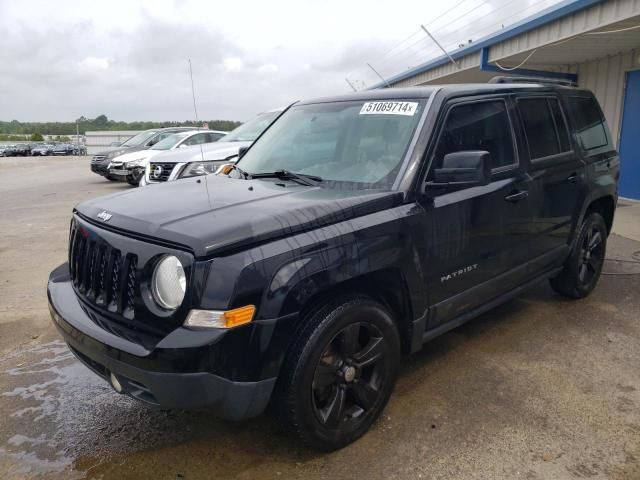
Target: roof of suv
193, 131
427, 91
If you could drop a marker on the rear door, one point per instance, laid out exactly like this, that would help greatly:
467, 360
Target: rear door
557, 174
466, 258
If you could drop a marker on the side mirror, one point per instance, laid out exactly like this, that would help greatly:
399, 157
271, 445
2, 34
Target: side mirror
462, 170
225, 168
242, 151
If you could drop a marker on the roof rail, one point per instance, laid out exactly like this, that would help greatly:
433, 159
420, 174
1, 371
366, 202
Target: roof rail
522, 79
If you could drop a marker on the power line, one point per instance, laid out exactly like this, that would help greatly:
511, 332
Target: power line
443, 26
493, 25
443, 14
397, 60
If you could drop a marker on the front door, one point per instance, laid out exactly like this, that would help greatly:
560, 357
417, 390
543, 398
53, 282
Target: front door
466, 242
630, 139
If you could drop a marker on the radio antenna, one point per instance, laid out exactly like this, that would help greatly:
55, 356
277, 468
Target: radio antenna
195, 109
193, 92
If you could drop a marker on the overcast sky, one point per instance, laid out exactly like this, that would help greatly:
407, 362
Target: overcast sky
129, 59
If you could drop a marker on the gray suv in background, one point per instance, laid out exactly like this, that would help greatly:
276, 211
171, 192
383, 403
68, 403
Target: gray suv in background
143, 140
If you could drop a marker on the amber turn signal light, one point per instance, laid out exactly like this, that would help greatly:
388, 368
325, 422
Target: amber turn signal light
220, 319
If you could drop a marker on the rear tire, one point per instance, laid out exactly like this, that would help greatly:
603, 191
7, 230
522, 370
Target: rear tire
582, 269
339, 373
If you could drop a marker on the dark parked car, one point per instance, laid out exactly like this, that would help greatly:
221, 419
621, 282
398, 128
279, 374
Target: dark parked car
354, 230
101, 162
7, 150
42, 150
63, 149
22, 150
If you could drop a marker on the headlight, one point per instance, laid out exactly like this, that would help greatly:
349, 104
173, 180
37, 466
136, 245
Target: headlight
135, 163
199, 168
169, 283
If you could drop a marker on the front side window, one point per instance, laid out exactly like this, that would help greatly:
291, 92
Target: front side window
544, 126
214, 137
196, 139
589, 122
139, 139
169, 142
249, 131
478, 126
356, 144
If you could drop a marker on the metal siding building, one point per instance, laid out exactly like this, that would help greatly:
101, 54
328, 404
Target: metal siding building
100, 141
564, 39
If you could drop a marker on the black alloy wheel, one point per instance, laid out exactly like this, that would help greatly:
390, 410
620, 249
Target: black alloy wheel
348, 377
582, 269
591, 256
339, 372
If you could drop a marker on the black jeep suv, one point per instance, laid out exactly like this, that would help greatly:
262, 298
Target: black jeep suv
354, 230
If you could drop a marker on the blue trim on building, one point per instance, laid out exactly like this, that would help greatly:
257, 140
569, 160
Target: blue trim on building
485, 66
550, 14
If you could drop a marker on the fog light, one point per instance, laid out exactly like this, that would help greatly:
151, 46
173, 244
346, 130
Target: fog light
219, 319
115, 383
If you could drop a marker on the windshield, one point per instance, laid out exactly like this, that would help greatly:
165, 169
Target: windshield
139, 139
249, 131
169, 142
359, 144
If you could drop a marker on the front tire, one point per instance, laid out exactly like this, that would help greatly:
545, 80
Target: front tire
340, 372
582, 269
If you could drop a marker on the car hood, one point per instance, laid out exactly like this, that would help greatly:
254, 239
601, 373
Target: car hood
214, 214
210, 151
138, 154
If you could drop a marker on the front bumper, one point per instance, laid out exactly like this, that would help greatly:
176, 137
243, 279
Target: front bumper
101, 167
118, 172
106, 353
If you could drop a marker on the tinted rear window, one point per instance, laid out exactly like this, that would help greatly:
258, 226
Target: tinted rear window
589, 122
561, 124
544, 126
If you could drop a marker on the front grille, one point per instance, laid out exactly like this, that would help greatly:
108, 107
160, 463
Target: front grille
103, 275
162, 174
98, 158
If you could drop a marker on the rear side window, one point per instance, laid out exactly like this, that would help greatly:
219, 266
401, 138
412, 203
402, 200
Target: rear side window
544, 126
589, 122
478, 126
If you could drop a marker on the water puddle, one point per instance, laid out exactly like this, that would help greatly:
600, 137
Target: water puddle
63, 421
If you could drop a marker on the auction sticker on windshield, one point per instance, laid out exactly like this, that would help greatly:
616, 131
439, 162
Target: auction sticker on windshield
389, 108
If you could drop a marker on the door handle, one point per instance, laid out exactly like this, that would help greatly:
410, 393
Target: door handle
516, 196
573, 178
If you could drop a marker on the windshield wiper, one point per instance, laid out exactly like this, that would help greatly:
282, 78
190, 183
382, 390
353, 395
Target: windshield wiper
302, 178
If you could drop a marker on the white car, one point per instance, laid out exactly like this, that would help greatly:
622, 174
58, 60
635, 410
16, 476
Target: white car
131, 166
174, 165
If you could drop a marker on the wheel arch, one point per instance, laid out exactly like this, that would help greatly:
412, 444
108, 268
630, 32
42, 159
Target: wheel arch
387, 286
605, 206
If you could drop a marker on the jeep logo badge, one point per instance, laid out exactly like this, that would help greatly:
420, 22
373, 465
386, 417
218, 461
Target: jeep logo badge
157, 172
104, 216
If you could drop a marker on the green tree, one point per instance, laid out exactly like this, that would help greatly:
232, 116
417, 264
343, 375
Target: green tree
37, 137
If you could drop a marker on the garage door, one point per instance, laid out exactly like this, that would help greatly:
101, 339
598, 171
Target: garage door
630, 139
